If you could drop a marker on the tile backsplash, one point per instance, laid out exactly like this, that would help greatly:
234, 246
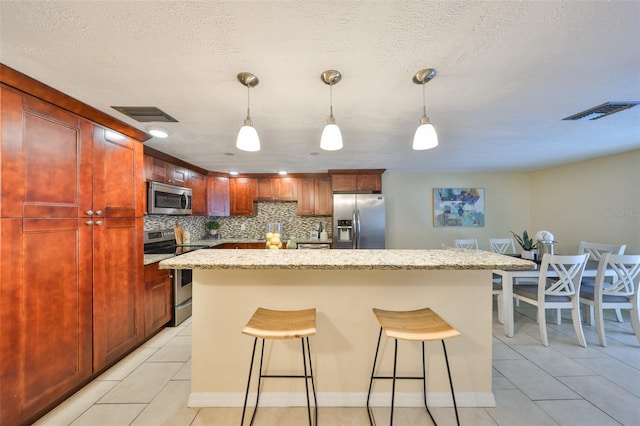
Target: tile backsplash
255, 226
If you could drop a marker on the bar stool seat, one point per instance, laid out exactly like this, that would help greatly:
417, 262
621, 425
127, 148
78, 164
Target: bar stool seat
277, 324
421, 325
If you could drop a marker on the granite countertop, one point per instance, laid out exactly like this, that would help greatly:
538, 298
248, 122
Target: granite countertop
153, 258
454, 259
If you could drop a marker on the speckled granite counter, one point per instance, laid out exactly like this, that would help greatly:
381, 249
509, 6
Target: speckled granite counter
345, 259
343, 286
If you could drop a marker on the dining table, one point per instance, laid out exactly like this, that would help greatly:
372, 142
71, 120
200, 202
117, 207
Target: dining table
511, 278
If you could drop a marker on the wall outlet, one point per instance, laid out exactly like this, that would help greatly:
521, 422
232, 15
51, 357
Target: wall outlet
243, 227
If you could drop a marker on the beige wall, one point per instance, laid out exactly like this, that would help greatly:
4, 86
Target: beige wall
595, 200
409, 208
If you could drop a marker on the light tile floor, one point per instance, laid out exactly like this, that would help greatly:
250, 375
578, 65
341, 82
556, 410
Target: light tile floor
563, 384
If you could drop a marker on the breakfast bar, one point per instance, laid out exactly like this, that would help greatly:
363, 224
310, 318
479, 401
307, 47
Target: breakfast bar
343, 286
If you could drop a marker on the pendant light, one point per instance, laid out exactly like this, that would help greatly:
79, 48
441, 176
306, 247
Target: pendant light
331, 139
248, 139
425, 137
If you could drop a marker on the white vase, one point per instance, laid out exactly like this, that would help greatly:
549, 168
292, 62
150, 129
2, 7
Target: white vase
528, 254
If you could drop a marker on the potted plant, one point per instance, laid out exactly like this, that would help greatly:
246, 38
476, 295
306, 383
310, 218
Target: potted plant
528, 245
213, 226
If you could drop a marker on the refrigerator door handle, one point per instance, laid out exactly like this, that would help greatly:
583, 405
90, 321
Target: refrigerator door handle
354, 229
357, 224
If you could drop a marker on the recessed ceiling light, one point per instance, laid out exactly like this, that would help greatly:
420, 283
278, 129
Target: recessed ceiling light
233, 173
282, 172
158, 132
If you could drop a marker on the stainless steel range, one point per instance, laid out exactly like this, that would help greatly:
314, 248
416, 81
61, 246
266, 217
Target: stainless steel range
163, 241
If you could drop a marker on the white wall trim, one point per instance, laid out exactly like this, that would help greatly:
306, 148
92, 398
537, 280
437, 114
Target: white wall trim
342, 399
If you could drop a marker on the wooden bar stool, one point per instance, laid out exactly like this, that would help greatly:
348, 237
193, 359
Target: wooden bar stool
272, 324
421, 325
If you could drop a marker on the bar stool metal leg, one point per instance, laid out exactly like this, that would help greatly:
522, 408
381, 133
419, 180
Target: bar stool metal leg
313, 385
453, 395
424, 384
246, 395
373, 373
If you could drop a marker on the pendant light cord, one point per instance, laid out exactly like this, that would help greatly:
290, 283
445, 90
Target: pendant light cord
424, 102
331, 100
248, 102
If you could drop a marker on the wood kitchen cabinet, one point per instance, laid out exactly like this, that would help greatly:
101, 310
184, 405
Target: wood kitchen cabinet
217, 196
241, 196
277, 189
241, 246
71, 246
315, 197
157, 298
357, 181
198, 184
159, 170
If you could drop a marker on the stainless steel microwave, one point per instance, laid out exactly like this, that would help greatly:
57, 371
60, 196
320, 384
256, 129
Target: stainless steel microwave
168, 199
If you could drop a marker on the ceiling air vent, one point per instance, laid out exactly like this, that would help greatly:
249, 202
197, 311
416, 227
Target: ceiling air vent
145, 114
603, 110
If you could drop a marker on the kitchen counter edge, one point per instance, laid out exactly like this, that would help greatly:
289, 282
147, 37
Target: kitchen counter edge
388, 259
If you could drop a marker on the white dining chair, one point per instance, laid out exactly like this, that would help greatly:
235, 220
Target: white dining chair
621, 292
469, 244
596, 250
560, 292
502, 245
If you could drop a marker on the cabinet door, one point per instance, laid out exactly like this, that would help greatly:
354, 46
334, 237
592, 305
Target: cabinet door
46, 159
369, 182
323, 197
117, 276
344, 183
157, 298
118, 184
159, 172
198, 184
306, 196
45, 320
266, 189
217, 196
241, 195
177, 175
287, 189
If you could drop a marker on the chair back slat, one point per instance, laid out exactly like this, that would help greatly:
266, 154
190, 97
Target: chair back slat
569, 270
627, 274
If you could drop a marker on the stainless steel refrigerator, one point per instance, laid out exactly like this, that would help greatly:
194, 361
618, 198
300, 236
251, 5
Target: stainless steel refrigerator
358, 221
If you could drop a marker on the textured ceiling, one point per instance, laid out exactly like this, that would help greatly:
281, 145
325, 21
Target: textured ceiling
508, 72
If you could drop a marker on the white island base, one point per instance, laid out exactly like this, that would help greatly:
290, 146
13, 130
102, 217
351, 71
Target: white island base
347, 332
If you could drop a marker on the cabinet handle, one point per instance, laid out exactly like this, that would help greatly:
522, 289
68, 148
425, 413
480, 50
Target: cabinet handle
98, 212
98, 222
89, 222
89, 212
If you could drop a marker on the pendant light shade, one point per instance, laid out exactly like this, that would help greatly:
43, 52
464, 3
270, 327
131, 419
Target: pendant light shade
425, 136
331, 139
248, 139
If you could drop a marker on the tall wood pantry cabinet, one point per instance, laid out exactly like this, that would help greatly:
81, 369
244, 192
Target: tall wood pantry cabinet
71, 247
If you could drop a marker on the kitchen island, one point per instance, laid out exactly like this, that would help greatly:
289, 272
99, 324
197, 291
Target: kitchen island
343, 285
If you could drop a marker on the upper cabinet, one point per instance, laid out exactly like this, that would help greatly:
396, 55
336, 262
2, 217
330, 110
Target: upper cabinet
315, 197
198, 184
217, 196
277, 189
242, 193
159, 170
357, 180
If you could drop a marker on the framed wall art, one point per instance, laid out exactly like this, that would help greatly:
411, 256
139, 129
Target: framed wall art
458, 207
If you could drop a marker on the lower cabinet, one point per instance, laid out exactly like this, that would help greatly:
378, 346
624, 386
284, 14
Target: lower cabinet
45, 320
157, 298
